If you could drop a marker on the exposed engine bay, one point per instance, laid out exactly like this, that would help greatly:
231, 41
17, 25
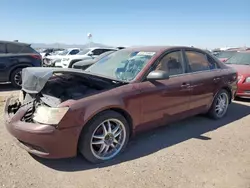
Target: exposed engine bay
62, 88
50, 90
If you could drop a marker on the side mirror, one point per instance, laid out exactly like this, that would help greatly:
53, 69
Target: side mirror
157, 75
90, 54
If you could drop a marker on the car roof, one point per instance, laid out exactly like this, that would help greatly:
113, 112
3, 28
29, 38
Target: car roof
158, 48
244, 51
73, 48
14, 42
93, 48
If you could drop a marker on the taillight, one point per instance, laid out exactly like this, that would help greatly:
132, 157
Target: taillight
36, 56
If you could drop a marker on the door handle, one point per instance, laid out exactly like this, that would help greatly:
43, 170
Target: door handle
216, 79
185, 85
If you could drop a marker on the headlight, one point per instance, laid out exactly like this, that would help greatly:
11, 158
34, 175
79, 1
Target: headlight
65, 59
48, 115
247, 80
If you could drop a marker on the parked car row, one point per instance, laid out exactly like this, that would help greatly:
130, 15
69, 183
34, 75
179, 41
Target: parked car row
87, 53
69, 57
85, 63
51, 60
51, 51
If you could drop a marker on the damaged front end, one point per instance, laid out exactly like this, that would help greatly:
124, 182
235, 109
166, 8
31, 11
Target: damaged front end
45, 89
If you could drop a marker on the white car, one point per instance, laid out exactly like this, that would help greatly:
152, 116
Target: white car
50, 51
87, 53
50, 60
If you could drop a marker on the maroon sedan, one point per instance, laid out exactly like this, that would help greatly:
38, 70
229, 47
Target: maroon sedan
96, 111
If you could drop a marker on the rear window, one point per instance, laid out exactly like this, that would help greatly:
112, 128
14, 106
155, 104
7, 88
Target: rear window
16, 48
13, 48
240, 59
28, 49
226, 54
2, 48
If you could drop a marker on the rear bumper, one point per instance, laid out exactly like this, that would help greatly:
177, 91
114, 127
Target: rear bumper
243, 95
243, 90
42, 140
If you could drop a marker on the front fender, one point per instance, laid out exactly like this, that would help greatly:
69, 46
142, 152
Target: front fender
92, 110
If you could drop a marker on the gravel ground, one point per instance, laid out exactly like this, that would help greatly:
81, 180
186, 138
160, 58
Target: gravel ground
194, 153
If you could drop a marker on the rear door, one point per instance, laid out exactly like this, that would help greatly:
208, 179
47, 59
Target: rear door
205, 77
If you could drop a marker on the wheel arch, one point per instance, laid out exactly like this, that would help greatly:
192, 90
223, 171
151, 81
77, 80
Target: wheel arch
72, 62
126, 115
228, 89
117, 109
121, 111
17, 67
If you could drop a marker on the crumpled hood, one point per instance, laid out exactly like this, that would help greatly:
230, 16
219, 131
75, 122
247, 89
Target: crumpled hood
35, 78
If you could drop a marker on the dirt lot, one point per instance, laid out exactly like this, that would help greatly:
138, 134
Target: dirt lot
195, 153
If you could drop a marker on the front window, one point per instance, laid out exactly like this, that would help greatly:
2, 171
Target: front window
74, 52
64, 52
84, 51
226, 54
239, 58
122, 65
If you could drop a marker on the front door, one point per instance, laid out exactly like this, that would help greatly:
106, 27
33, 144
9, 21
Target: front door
165, 101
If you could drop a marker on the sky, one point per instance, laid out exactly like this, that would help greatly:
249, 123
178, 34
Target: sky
206, 24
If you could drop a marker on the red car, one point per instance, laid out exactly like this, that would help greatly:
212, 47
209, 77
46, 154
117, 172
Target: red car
223, 56
241, 62
96, 111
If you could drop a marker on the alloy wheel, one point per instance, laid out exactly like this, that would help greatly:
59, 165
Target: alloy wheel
18, 78
221, 104
108, 139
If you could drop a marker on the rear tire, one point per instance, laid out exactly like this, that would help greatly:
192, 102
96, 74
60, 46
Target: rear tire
104, 137
16, 78
220, 105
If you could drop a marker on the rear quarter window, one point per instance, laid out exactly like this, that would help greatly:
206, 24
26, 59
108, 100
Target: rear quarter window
28, 49
2, 48
13, 48
16, 48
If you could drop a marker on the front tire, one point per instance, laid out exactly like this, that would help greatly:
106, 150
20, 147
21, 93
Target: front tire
104, 137
220, 105
16, 78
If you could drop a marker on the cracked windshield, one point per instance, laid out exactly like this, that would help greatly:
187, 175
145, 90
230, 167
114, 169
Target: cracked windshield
123, 65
